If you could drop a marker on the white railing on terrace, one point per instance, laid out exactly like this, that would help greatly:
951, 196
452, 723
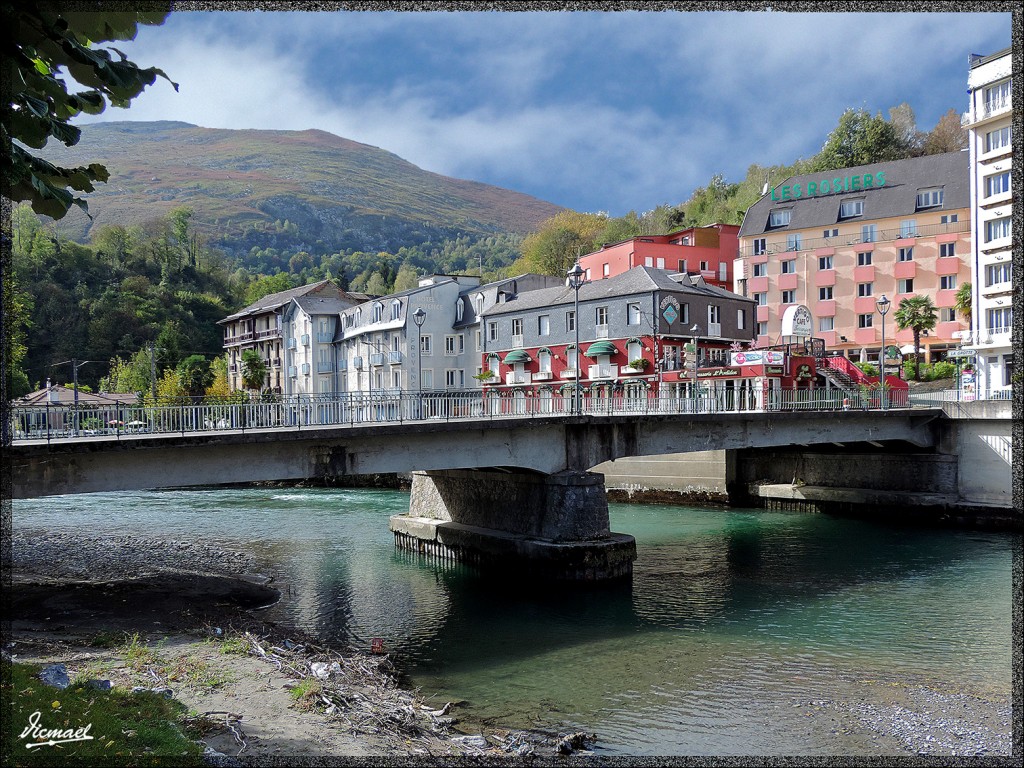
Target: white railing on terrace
116, 421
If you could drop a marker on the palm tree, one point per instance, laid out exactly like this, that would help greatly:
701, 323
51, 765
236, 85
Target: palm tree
962, 302
254, 371
918, 313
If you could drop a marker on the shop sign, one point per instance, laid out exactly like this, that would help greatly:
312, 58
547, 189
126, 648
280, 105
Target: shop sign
670, 309
758, 357
803, 372
773, 370
717, 373
797, 321
834, 186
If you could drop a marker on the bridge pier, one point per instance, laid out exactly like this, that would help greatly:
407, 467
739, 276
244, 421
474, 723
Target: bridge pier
552, 526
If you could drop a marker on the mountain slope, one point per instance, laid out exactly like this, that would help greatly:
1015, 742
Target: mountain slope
339, 193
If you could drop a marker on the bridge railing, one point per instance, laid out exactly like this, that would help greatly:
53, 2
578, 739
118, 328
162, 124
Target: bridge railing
117, 420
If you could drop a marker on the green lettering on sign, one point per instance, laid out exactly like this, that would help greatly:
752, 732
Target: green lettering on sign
833, 186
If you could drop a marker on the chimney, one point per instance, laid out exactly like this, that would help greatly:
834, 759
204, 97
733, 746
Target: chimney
52, 395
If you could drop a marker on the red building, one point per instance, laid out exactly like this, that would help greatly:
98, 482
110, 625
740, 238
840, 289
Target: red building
707, 251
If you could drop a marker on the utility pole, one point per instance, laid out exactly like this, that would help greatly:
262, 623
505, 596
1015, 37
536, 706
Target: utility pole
152, 370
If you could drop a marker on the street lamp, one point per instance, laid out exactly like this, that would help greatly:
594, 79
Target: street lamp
883, 305
418, 317
694, 330
575, 279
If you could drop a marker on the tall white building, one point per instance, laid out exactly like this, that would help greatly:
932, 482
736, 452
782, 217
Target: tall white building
989, 122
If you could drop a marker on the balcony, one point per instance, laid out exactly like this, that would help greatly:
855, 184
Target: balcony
304, 339
233, 368
269, 333
324, 366
292, 371
601, 332
324, 338
570, 373
602, 371
542, 376
357, 362
518, 377
305, 369
276, 362
855, 238
394, 357
517, 341
715, 330
292, 344
342, 364
377, 358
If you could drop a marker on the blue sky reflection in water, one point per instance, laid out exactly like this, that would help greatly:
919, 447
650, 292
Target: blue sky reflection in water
731, 616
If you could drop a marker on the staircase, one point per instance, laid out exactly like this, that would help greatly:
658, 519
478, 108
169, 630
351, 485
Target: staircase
843, 374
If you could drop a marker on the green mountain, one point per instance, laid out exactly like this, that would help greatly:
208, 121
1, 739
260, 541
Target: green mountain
338, 194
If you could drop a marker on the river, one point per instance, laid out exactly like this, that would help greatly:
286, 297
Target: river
733, 621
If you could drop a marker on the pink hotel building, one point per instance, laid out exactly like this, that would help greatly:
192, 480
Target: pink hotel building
837, 241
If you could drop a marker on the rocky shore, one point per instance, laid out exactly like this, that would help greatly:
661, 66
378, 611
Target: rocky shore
191, 600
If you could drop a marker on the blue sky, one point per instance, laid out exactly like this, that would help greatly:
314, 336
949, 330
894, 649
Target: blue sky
595, 111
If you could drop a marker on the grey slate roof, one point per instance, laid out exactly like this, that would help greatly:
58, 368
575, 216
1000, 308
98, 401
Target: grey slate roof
274, 301
638, 280
330, 305
898, 197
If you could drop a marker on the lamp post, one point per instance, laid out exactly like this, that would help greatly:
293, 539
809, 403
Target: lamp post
883, 305
418, 317
575, 279
694, 330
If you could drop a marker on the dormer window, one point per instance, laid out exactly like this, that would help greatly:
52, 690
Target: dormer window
929, 198
850, 208
378, 312
460, 308
780, 217
396, 309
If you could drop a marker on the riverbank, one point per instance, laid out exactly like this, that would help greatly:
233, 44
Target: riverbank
189, 611
80, 600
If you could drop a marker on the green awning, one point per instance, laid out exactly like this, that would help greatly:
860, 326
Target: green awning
601, 348
517, 356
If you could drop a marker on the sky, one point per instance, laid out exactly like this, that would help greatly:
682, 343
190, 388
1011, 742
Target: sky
591, 110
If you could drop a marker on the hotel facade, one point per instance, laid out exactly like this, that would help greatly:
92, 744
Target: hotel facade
988, 121
837, 241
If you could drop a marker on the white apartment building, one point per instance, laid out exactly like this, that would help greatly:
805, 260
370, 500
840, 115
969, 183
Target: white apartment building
989, 122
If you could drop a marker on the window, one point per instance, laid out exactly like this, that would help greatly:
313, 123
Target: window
760, 270
865, 289
427, 378
761, 299
997, 97
869, 233
825, 293
478, 344
601, 316
997, 139
633, 314
789, 267
378, 312
998, 273
830, 233
450, 378
826, 323
762, 328
544, 360
460, 309
759, 246
449, 345
789, 297
947, 249
544, 325
461, 342
779, 218
425, 345
492, 330
741, 319
479, 303
947, 315
605, 270
929, 198
997, 228
517, 326
997, 184
905, 286
850, 208
864, 259
824, 262
661, 262
999, 320
864, 321
949, 218
908, 228
793, 241
396, 310
570, 321
906, 254
396, 378
947, 282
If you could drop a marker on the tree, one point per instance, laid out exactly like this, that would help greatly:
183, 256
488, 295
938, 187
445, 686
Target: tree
128, 376
265, 285
860, 139
254, 370
44, 41
195, 375
406, 279
559, 242
905, 123
948, 135
919, 314
963, 301
219, 387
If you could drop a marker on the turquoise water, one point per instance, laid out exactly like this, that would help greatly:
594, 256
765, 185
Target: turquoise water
730, 618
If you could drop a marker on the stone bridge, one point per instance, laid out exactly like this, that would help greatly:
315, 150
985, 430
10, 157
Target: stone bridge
483, 490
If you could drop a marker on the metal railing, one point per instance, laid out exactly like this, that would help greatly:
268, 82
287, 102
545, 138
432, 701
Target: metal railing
853, 238
124, 420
